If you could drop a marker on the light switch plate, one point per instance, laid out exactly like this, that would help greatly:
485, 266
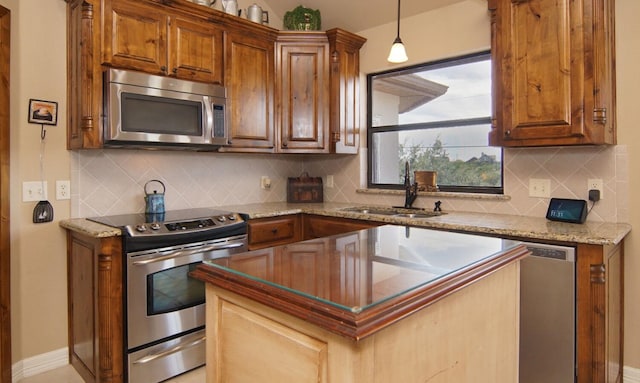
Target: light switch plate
539, 187
33, 191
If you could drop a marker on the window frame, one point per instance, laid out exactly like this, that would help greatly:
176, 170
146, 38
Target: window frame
473, 57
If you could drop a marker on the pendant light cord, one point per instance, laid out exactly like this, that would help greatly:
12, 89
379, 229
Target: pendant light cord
398, 34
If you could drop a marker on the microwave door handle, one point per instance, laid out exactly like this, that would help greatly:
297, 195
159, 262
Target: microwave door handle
184, 253
208, 114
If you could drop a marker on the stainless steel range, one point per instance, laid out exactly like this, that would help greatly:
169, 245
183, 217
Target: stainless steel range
164, 307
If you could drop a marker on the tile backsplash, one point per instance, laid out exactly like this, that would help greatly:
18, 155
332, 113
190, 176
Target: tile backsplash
107, 182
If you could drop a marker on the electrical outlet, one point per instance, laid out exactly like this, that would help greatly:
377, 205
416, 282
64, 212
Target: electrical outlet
63, 190
539, 187
265, 182
595, 184
330, 181
34, 191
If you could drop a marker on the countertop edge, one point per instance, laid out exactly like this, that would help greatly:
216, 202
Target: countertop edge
90, 228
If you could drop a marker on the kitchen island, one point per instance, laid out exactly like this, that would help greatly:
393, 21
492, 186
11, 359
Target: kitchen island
378, 305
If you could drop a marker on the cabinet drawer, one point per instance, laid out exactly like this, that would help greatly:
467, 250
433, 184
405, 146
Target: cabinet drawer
274, 231
315, 226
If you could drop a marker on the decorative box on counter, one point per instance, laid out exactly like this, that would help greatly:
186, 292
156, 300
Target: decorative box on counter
304, 189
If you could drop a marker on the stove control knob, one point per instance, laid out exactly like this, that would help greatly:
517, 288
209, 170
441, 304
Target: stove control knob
155, 226
221, 218
231, 217
141, 228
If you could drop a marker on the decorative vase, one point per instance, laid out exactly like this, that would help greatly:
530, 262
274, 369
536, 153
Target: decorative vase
302, 19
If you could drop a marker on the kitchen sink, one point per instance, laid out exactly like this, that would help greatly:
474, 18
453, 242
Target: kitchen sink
394, 212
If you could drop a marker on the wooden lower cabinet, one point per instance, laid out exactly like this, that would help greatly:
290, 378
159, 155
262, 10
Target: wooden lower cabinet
95, 298
600, 297
318, 226
470, 335
272, 231
95, 307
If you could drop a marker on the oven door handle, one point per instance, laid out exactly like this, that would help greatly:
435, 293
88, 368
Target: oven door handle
184, 253
169, 351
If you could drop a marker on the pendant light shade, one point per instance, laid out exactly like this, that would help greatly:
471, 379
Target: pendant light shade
397, 54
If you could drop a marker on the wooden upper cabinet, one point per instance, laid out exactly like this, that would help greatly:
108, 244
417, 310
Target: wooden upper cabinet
153, 39
345, 119
318, 92
302, 90
249, 75
84, 75
287, 92
196, 51
553, 70
136, 36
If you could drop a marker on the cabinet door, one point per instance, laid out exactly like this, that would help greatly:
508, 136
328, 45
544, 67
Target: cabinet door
302, 77
259, 263
196, 51
349, 265
345, 90
553, 72
94, 299
600, 314
84, 75
249, 77
306, 267
135, 36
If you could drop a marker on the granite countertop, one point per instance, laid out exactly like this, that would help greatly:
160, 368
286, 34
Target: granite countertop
90, 228
531, 228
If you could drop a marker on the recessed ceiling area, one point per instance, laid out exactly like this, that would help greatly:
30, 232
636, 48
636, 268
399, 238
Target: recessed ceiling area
358, 15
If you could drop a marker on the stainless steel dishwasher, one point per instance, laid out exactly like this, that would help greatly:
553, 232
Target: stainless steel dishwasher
548, 315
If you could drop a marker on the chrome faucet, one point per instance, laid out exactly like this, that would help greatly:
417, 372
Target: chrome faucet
410, 190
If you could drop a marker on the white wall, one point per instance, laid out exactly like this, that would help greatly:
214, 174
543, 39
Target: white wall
38, 255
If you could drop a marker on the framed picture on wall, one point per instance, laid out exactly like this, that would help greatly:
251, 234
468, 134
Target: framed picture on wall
43, 112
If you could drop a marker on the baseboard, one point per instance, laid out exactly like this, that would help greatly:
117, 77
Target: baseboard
39, 364
58, 358
631, 375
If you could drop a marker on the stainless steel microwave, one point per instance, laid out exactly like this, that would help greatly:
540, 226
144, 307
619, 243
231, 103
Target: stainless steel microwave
149, 111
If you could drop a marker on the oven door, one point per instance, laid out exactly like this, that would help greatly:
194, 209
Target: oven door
162, 299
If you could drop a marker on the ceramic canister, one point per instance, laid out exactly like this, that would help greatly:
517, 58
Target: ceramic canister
254, 13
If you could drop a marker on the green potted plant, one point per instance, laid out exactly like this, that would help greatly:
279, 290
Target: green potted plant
302, 19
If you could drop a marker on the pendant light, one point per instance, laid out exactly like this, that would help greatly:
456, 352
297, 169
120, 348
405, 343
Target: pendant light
398, 53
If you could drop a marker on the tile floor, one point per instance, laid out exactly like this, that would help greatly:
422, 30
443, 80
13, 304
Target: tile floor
67, 374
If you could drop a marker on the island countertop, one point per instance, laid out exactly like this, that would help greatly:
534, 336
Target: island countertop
357, 283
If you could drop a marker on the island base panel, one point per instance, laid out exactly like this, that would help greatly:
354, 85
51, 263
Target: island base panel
468, 336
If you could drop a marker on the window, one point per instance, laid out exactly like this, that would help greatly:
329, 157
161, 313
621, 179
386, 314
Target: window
437, 117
